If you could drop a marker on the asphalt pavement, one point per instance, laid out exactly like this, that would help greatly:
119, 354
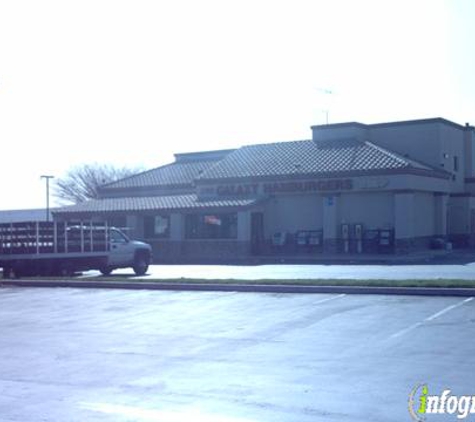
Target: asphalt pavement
80, 355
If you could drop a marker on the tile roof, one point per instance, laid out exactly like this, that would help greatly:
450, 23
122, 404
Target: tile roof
308, 157
174, 174
263, 160
172, 202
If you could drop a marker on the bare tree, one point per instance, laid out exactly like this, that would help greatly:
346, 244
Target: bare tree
81, 183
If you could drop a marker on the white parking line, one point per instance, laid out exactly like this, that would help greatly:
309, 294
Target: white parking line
329, 298
430, 318
406, 330
449, 308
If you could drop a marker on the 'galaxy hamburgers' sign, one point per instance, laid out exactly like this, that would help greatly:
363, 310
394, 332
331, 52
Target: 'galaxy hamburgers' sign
245, 189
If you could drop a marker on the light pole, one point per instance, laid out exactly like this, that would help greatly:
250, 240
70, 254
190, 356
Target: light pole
47, 194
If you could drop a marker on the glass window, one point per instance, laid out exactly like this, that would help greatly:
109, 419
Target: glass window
211, 226
156, 226
117, 237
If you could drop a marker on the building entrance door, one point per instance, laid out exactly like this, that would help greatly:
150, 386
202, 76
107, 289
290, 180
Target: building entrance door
257, 233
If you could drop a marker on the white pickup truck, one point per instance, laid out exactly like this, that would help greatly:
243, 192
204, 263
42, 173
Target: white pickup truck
64, 248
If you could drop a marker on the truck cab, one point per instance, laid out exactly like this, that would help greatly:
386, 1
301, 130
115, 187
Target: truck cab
125, 253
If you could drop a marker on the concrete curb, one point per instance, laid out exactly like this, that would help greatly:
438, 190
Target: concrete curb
258, 288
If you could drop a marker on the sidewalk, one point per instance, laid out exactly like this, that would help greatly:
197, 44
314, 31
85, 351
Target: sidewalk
419, 257
245, 288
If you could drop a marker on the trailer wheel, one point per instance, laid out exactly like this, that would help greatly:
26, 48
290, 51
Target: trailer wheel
141, 264
106, 270
64, 270
19, 271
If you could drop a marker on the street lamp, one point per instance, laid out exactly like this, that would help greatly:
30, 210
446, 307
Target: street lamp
47, 194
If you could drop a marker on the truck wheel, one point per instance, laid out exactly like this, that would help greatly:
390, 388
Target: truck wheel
106, 270
140, 265
19, 271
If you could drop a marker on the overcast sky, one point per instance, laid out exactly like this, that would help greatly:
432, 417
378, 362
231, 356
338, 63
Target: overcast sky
132, 82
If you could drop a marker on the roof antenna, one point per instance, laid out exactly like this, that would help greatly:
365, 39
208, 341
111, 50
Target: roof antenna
326, 110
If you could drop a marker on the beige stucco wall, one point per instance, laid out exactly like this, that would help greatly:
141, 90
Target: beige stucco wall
344, 131
244, 225
453, 145
373, 210
458, 211
292, 213
424, 214
415, 215
469, 152
470, 188
388, 182
419, 141
433, 143
416, 182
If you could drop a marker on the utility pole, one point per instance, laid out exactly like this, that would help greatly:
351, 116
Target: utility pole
47, 194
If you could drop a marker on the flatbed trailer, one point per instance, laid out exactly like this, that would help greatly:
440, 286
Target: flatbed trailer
40, 248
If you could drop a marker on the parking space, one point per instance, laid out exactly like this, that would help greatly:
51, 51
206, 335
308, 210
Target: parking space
115, 355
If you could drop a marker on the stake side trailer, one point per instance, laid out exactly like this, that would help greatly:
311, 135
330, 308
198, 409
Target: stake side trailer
43, 248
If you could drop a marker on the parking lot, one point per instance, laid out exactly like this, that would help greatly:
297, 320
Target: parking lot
115, 355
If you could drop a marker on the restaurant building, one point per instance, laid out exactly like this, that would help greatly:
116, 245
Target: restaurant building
353, 188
